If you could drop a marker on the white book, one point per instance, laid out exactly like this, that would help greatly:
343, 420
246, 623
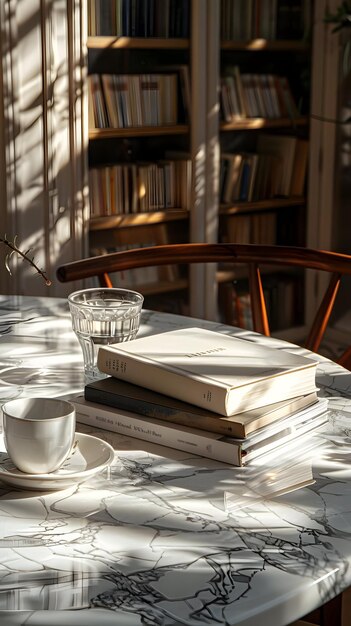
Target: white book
218, 372
211, 445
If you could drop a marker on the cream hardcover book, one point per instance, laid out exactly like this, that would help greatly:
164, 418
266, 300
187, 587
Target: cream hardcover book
218, 372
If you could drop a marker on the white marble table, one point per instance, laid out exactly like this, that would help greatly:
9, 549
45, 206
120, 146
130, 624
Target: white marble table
151, 543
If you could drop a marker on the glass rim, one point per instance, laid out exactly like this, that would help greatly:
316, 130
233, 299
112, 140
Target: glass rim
139, 296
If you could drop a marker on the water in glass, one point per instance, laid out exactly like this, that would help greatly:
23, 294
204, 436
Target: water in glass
103, 316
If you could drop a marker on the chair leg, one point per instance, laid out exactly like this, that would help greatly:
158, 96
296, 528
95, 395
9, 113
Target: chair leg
346, 608
331, 612
336, 612
345, 359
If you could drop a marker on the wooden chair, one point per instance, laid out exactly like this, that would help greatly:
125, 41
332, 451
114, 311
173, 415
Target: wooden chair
253, 256
337, 611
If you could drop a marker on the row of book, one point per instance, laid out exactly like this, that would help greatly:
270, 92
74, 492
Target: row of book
282, 297
240, 19
132, 100
160, 99
120, 239
262, 405
258, 228
139, 18
267, 19
277, 168
248, 95
140, 187
142, 276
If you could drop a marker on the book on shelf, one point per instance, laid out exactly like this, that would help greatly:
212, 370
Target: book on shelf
240, 177
285, 148
120, 239
298, 178
183, 177
241, 304
211, 445
238, 229
129, 188
250, 165
252, 104
180, 70
254, 228
123, 395
139, 18
285, 98
231, 175
97, 113
241, 96
273, 19
218, 372
250, 95
133, 100
278, 168
283, 297
230, 100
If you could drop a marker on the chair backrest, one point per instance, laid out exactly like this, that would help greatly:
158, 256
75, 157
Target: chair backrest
252, 255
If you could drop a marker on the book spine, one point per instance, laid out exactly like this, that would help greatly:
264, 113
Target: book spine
168, 382
181, 438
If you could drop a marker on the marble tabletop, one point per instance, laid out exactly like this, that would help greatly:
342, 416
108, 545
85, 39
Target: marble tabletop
150, 542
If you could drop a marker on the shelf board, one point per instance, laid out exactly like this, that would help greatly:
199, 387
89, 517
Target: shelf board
141, 131
138, 219
173, 215
161, 287
137, 43
226, 274
261, 122
254, 45
261, 205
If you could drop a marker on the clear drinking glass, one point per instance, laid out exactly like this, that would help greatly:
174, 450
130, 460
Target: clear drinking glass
101, 316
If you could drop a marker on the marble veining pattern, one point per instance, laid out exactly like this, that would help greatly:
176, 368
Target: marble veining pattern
150, 542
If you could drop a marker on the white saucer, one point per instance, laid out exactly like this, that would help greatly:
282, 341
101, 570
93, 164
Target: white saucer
90, 456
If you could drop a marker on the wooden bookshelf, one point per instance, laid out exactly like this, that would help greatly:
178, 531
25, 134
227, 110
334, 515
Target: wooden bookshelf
226, 275
262, 123
152, 144
142, 131
262, 205
251, 55
123, 221
263, 74
137, 43
163, 287
261, 45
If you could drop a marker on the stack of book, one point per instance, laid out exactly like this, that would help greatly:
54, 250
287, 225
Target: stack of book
206, 393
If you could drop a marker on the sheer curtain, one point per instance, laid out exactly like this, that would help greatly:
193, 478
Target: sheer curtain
43, 138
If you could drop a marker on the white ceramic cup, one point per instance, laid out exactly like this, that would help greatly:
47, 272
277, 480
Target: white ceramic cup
38, 433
